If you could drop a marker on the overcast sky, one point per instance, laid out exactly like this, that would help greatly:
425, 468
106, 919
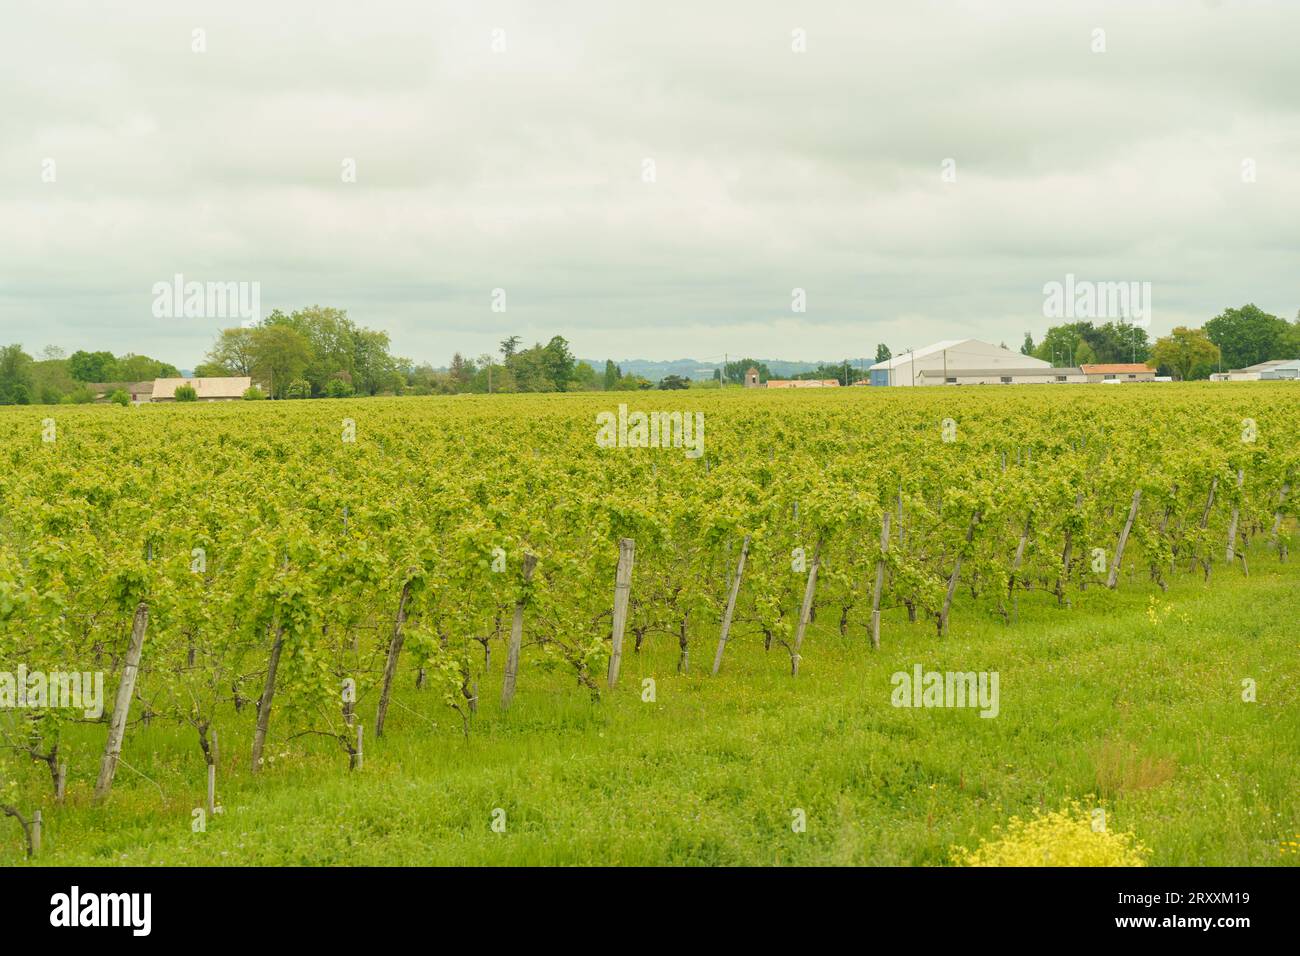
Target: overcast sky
523, 169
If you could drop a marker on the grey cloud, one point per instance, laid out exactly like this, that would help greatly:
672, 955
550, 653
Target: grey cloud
522, 170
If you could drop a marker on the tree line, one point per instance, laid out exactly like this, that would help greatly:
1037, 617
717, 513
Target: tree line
56, 378
1235, 338
314, 352
319, 352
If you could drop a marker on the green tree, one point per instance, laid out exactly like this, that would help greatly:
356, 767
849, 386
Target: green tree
1249, 335
16, 378
529, 371
1061, 342
280, 354
186, 393
1291, 346
462, 371
1119, 342
484, 378
331, 337
558, 363
612, 374
232, 353
633, 383
670, 382
882, 353
509, 347
372, 366
92, 366
395, 382
585, 378
1112, 342
141, 368
51, 381
1028, 347
424, 379
1185, 350
336, 345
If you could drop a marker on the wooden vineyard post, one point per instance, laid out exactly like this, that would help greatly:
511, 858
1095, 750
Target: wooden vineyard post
1231, 551
1020, 555
1015, 568
36, 832
268, 696
1113, 578
212, 777
731, 606
1205, 522
394, 652
1209, 502
880, 580
622, 595
360, 755
956, 573
516, 637
805, 610
122, 706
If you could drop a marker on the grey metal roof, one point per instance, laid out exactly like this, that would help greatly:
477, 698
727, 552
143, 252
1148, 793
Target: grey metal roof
999, 372
1269, 365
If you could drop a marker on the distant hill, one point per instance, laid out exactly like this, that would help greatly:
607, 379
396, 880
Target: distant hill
695, 369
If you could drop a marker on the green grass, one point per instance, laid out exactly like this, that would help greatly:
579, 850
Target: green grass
1097, 703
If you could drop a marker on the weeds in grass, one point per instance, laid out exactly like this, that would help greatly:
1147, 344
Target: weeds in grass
1120, 768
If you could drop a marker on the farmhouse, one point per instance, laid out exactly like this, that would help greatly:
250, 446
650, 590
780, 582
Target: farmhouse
1001, 376
1119, 372
943, 362
225, 389
802, 383
138, 391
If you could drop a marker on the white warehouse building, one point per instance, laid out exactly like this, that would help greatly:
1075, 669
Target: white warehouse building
944, 361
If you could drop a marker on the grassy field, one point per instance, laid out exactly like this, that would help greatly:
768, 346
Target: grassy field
1131, 702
